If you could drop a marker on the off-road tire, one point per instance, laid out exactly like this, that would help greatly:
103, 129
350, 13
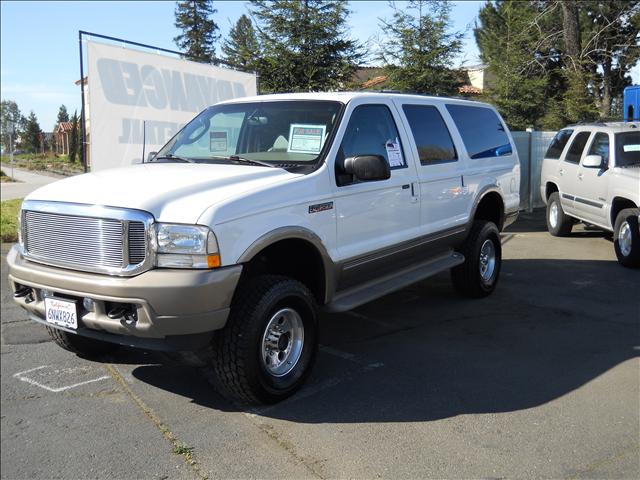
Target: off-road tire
466, 277
564, 222
87, 347
239, 371
630, 217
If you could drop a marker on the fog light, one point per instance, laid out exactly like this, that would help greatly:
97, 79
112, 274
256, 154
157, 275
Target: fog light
88, 304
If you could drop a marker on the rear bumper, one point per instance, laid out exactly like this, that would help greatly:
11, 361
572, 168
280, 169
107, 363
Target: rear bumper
167, 303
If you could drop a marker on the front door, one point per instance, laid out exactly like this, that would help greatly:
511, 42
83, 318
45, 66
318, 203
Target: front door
375, 219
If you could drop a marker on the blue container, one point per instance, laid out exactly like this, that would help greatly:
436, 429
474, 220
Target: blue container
632, 103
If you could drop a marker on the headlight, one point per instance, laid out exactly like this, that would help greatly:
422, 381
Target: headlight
186, 246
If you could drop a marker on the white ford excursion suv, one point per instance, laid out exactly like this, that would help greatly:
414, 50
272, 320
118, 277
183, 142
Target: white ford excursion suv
258, 213
591, 173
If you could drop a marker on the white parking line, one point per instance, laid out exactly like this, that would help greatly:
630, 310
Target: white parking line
21, 376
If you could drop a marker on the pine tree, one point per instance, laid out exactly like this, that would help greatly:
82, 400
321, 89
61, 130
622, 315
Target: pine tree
418, 49
199, 31
305, 45
509, 36
31, 136
241, 49
63, 115
73, 138
11, 121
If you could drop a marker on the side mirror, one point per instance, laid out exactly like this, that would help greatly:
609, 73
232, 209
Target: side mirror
367, 167
592, 161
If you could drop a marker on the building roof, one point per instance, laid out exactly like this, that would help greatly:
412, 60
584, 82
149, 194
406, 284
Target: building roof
64, 127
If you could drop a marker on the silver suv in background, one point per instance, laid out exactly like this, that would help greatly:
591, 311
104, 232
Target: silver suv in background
591, 173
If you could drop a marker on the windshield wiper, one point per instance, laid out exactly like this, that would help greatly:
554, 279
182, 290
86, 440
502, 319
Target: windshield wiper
236, 158
171, 156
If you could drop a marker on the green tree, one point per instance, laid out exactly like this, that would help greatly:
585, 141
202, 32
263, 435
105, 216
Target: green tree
31, 135
241, 49
510, 37
419, 48
305, 45
11, 121
199, 31
63, 115
73, 138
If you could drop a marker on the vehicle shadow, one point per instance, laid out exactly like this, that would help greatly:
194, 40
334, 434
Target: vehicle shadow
531, 222
424, 353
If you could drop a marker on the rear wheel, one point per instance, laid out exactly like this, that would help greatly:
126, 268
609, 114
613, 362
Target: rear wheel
268, 347
626, 238
478, 275
559, 224
81, 345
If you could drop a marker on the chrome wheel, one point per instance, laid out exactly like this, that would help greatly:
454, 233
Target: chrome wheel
487, 260
624, 238
282, 342
553, 215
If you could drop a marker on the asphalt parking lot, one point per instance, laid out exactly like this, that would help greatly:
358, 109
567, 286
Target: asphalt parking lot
542, 379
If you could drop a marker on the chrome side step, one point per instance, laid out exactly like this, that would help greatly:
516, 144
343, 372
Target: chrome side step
361, 294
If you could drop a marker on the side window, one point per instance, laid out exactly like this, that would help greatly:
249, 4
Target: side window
371, 131
481, 130
557, 144
600, 146
431, 134
577, 147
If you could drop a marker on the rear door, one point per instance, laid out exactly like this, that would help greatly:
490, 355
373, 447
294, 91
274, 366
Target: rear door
568, 171
592, 182
443, 198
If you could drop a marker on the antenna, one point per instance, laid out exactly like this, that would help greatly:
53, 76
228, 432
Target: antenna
144, 137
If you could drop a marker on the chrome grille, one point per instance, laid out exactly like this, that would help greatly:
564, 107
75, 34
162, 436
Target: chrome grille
88, 241
137, 243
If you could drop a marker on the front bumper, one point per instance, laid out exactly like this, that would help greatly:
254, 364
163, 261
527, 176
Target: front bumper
168, 304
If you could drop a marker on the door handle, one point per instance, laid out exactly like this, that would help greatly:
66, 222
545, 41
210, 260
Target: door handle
561, 171
579, 176
406, 187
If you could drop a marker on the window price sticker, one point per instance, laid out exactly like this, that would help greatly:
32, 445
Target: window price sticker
394, 153
218, 141
306, 138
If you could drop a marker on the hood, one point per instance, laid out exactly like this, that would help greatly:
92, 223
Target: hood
171, 192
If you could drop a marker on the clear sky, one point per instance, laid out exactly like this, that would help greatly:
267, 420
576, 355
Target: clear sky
39, 41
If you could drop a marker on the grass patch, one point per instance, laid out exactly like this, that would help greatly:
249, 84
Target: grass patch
9, 220
180, 448
45, 162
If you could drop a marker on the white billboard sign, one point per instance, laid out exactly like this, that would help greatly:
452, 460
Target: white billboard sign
138, 98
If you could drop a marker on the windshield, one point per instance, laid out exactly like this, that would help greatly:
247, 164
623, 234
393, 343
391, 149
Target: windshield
284, 133
627, 149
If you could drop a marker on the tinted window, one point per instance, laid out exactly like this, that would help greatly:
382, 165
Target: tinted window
558, 143
482, 131
577, 147
627, 148
431, 134
600, 146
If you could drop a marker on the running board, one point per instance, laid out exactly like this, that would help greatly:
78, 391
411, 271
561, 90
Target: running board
356, 296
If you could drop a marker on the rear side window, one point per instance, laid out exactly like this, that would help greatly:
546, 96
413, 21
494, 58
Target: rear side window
431, 134
577, 147
481, 130
600, 146
558, 143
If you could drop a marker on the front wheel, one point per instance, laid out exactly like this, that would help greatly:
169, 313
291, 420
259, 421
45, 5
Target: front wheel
626, 238
478, 275
268, 347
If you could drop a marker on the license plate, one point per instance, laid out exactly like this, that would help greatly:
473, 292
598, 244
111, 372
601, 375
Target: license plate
63, 313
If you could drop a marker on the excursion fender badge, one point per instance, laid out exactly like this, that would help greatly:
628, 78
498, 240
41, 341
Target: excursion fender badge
320, 207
